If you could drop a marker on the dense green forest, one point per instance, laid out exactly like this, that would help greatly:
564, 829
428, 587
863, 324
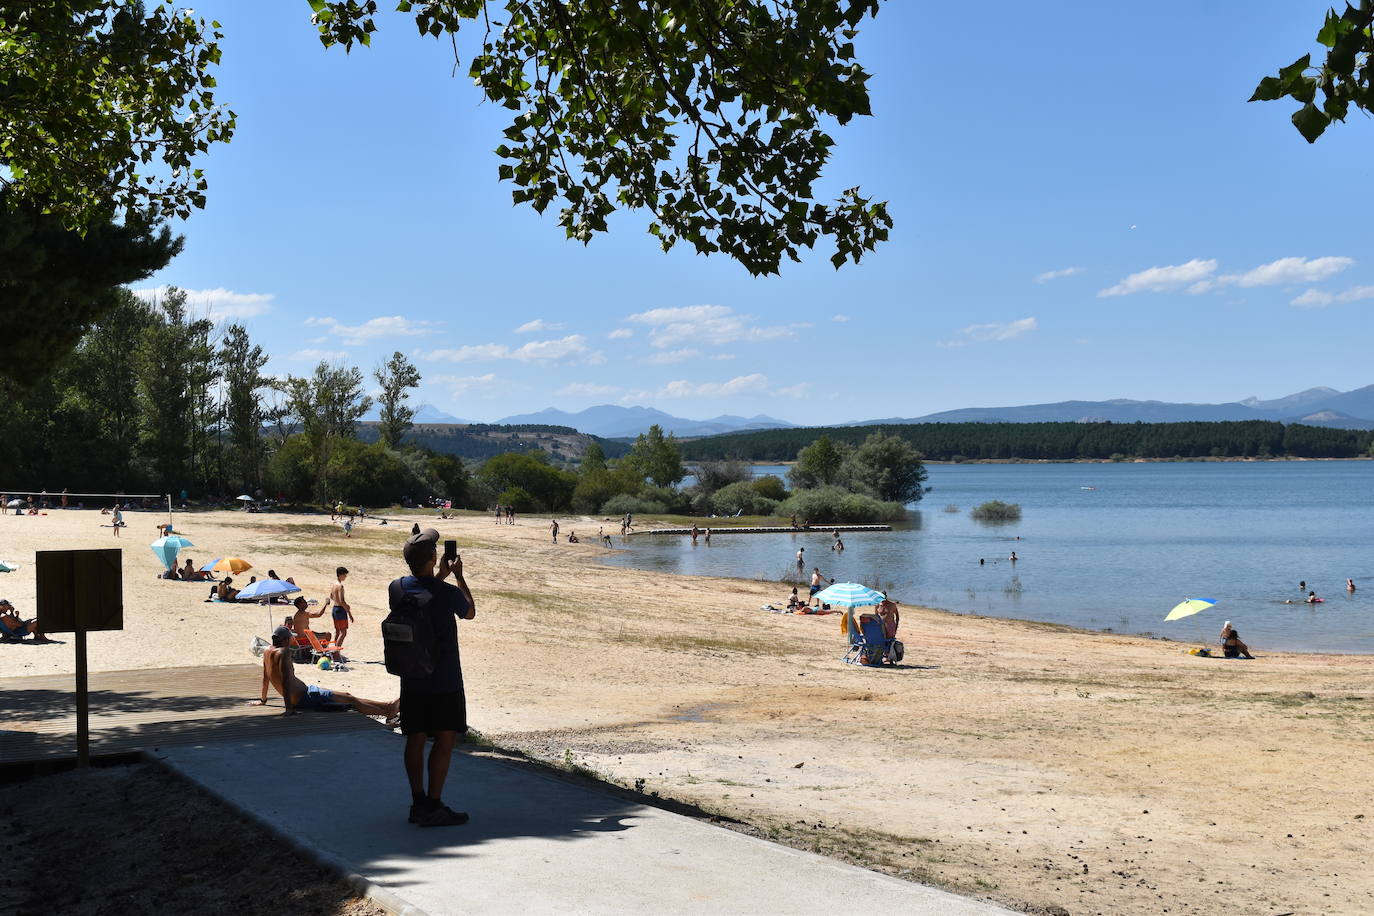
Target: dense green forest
1056, 441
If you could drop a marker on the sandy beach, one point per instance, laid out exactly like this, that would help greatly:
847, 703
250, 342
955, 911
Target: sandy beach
1037, 766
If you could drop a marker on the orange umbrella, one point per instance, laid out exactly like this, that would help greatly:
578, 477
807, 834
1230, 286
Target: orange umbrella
233, 565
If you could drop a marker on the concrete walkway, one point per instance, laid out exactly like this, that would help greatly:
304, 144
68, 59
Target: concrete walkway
535, 844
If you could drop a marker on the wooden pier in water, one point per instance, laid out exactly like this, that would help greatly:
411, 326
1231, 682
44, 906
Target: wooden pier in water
778, 529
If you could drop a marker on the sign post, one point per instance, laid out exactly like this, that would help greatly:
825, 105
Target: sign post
78, 591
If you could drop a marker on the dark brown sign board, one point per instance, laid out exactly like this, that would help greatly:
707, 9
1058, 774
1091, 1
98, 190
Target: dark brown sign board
80, 590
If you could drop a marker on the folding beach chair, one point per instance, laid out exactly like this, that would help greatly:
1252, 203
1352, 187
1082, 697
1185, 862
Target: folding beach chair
868, 641
320, 650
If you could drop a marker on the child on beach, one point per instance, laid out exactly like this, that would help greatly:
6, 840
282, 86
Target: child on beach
342, 613
348, 527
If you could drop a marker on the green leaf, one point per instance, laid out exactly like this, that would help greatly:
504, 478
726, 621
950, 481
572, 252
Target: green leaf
1269, 89
1310, 121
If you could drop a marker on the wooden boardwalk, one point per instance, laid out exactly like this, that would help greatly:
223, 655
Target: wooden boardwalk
149, 708
776, 529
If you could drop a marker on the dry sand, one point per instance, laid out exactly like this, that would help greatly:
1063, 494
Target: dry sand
1039, 766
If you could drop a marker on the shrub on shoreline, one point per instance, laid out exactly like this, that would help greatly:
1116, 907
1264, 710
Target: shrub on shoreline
996, 511
832, 504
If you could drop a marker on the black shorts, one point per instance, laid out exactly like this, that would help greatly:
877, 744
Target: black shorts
431, 713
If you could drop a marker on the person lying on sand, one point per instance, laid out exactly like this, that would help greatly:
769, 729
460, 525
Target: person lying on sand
12, 626
225, 590
278, 671
1231, 646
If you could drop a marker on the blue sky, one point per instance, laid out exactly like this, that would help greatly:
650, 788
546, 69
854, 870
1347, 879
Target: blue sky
1085, 207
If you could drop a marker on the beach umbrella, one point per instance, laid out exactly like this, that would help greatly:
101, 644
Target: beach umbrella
8, 567
1188, 607
245, 498
267, 588
15, 503
233, 565
166, 548
850, 594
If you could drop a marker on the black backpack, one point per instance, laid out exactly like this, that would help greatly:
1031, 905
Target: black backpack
408, 643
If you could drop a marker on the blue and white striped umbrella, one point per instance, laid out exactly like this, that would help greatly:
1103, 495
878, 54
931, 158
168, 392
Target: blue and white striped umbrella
849, 594
267, 588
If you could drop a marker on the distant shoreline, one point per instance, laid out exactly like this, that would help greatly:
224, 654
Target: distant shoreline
1199, 460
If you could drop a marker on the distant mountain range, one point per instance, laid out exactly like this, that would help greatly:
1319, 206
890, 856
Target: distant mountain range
612, 422
1315, 407
424, 413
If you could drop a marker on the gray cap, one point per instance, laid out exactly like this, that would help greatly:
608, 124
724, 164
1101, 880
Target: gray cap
281, 636
420, 546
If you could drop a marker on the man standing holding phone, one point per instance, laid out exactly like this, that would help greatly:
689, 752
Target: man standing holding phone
435, 706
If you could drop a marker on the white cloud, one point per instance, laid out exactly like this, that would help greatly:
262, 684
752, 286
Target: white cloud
1199, 276
587, 388
799, 390
1288, 271
1049, 275
468, 353
1317, 299
621, 334
373, 328
991, 332
706, 325
722, 357
483, 385
539, 324
840, 318
669, 357
572, 350
218, 304
312, 355
1164, 279
757, 383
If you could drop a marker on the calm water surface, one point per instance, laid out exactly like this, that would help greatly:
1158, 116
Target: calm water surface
1117, 557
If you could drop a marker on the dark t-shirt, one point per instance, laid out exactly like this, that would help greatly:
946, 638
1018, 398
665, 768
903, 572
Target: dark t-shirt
444, 609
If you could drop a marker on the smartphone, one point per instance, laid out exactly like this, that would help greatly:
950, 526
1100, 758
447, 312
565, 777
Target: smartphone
450, 550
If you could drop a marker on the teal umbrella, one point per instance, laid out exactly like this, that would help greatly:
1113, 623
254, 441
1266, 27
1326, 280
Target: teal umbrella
167, 548
850, 594
8, 567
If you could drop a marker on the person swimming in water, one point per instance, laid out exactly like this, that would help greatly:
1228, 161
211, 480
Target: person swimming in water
1350, 585
1312, 598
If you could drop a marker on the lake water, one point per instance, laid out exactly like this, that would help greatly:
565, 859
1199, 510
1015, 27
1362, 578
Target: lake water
1117, 557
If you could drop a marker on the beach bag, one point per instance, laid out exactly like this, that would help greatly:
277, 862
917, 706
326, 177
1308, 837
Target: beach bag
896, 652
408, 644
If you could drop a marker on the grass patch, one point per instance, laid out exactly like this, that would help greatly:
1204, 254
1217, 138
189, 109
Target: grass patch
764, 646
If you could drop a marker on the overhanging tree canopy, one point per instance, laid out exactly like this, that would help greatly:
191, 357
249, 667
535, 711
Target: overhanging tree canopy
710, 114
1345, 78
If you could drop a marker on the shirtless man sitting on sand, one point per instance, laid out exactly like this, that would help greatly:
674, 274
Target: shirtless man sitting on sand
278, 671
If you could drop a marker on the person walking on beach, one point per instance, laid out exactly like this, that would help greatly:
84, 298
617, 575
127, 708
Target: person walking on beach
553, 527
434, 706
510, 515
342, 613
116, 520
817, 582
